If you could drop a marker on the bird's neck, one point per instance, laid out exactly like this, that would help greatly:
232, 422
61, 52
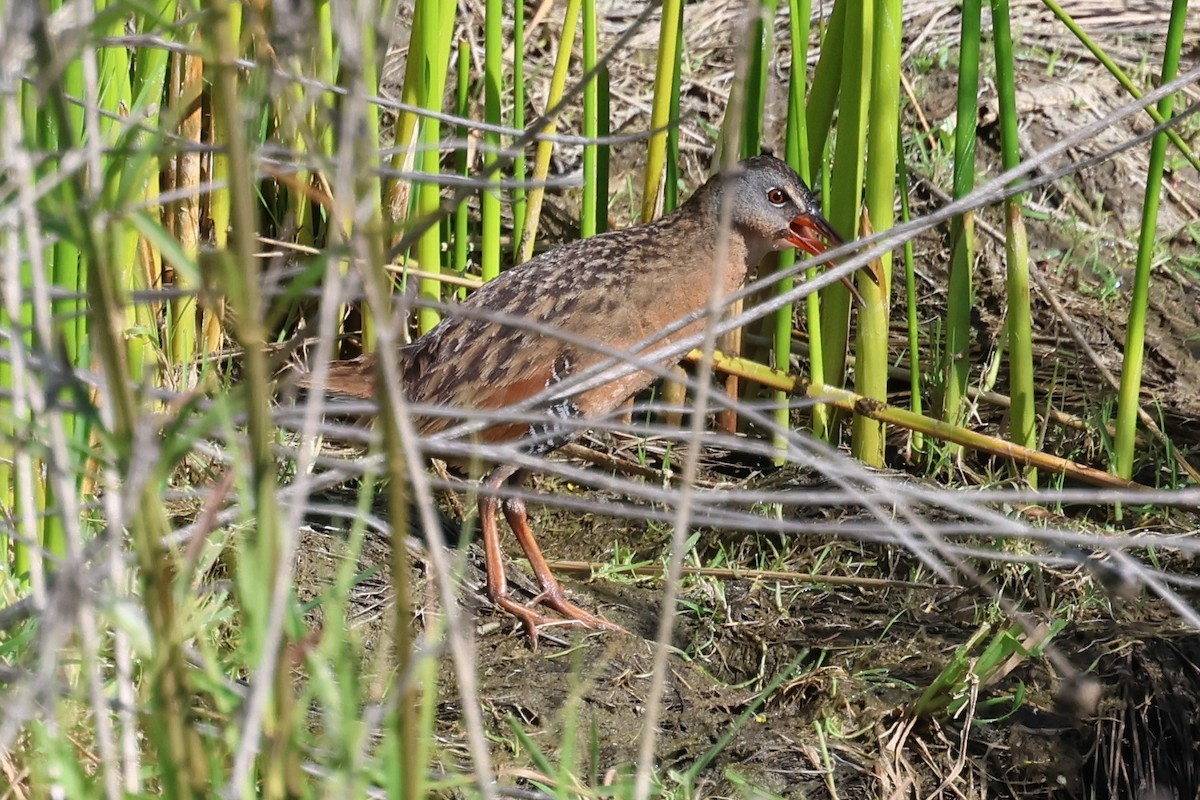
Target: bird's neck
705, 209
697, 234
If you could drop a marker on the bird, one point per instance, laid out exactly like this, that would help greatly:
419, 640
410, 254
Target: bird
617, 289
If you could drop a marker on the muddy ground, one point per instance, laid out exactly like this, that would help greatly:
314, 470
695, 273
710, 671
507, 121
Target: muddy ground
854, 659
851, 661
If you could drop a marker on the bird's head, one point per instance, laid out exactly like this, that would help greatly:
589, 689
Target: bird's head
774, 210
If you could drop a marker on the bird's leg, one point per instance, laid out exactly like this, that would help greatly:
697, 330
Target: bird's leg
497, 583
552, 594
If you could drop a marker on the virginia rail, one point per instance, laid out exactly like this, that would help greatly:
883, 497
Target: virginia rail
618, 290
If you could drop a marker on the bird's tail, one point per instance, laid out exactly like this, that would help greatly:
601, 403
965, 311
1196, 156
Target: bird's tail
352, 378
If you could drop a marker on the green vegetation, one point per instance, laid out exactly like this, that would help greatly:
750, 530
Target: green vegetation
193, 193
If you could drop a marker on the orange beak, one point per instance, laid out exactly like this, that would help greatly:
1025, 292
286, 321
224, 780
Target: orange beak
812, 234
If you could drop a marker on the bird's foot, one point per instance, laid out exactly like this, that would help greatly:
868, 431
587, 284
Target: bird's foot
534, 620
554, 598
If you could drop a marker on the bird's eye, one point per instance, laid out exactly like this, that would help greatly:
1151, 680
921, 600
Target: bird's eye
776, 196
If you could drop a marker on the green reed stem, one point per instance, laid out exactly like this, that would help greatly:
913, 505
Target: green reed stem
660, 111
219, 200
411, 92
871, 368
756, 77
912, 312
541, 167
8, 432
462, 214
493, 96
373, 191
591, 124
437, 28
326, 70
796, 153
962, 229
296, 124
761, 43
671, 182
823, 96
296, 205
16, 468
320, 112
520, 204
238, 272
405, 770
602, 161
116, 96
1023, 413
148, 87
1135, 337
183, 215
849, 156
67, 273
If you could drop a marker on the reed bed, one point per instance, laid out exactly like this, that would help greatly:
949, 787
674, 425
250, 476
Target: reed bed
199, 200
